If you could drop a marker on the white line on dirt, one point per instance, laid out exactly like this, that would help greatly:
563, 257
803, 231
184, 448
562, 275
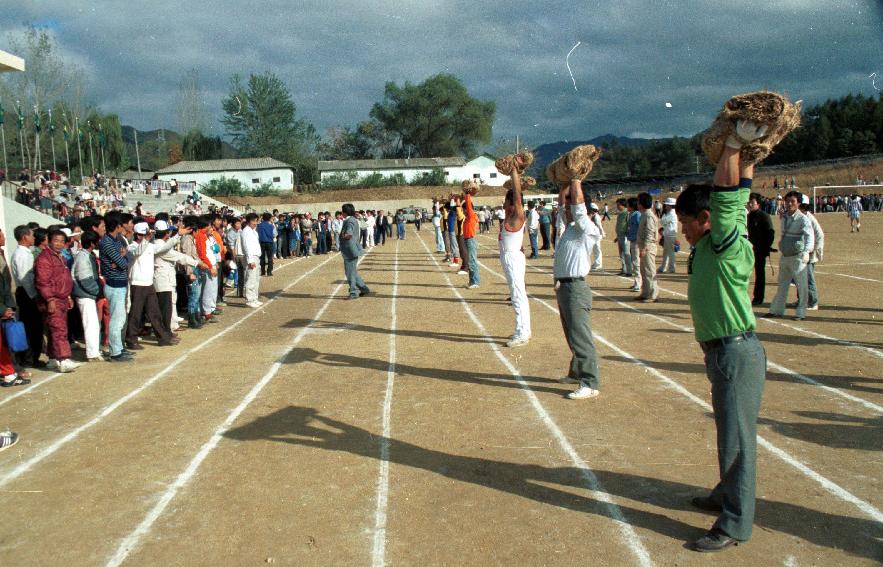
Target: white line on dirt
849, 276
52, 377
832, 488
128, 544
74, 433
378, 554
597, 490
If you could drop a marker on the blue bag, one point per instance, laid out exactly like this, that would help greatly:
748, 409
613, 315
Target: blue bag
15, 335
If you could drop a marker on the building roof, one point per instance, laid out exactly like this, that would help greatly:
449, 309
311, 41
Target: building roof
212, 165
9, 62
374, 164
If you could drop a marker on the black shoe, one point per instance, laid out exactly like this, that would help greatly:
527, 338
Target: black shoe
757, 302
706, 503
17, 381
134, 346
121, 357
715, 540
364, 292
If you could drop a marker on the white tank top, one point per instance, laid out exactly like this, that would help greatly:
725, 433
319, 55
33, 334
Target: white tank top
511, 242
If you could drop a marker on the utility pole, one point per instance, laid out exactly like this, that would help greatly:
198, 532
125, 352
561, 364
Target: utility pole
137, 155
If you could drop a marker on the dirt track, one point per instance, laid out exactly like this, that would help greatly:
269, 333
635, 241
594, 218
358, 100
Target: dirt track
266, 444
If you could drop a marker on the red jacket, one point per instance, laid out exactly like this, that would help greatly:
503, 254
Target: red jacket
52, 278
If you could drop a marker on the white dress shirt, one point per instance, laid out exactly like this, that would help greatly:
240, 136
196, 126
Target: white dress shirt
573, 250
23, 270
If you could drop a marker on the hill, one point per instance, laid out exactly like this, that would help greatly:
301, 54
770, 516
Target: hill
547, 153
153, 145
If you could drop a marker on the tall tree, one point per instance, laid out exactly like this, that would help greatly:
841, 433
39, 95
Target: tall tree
261, 118
436, 118
190, 103
195, 146
344, 144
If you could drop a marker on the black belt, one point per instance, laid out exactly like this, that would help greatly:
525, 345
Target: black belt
568, 280
708, 345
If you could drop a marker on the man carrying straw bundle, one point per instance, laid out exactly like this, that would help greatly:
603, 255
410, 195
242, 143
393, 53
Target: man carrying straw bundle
512, 257
719, 269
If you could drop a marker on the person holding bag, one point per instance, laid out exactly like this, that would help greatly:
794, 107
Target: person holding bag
7, 304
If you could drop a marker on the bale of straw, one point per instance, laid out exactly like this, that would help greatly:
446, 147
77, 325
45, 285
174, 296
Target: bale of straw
771, 109
575, 164
505, 164
526, 181
526, 160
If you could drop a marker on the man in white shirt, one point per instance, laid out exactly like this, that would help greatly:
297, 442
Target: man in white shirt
597, 258
795, 244
251, 249
144, 300
533, 227
573, 293
26, 295
669, 222
818, 251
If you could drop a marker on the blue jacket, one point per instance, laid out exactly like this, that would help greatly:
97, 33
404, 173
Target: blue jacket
634, 222
265, 232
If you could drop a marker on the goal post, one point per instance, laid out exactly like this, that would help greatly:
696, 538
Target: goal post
842, 191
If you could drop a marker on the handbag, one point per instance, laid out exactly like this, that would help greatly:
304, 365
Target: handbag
15, 335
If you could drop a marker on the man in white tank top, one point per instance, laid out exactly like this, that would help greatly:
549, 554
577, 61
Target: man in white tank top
513, 261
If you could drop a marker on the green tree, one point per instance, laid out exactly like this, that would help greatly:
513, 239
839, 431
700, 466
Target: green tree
344, 144
261, 118
435, 118
198, 147
107, 137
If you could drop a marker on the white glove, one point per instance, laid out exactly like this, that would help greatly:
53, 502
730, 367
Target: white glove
746, 132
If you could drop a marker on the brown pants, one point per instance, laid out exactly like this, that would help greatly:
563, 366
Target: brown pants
144, 301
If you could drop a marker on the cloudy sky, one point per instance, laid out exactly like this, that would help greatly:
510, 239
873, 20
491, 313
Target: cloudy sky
633, 56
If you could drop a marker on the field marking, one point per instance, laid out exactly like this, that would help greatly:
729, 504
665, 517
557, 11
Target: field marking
851, 344
855, 264
74, 433
595, 487
128, 544
48, 379
849, 276
770, 364
378, 553
830, 486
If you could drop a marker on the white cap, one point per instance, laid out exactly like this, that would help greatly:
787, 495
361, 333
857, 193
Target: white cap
670, 201
67, 232
141, 228
805, 199
160, 225
594, 207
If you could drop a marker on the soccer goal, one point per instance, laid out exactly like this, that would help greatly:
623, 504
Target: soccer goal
841, 191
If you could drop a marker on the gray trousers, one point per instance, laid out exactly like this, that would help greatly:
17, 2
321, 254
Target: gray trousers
648, 273
737, 372
575, 308
812, 292
625, 254
351, 270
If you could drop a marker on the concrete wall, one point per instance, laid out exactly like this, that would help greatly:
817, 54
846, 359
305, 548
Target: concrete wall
15, 214
393, 205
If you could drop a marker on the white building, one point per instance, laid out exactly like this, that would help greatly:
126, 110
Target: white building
456, 169
251, 172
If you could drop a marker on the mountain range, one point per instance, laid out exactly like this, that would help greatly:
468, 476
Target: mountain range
547, 153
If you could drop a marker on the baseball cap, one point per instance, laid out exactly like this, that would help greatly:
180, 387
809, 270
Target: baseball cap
670, 201
67, 232
160, 225
594, 206
805, 199
141, 228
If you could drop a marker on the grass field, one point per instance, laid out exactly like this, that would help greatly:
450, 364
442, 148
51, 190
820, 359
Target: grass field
398, 429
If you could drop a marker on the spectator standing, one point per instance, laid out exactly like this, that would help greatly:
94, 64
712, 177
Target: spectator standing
86, 292
648, 236
251, 251
669, 222
54, 285
762, 235
266, 238
26, 295
114, 261
533, 227
622, 238
795, 244
633, 225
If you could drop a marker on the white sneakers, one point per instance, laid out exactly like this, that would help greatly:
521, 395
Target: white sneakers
517, 341
67, 365
254, 304
472, 286
582, 393
462, 273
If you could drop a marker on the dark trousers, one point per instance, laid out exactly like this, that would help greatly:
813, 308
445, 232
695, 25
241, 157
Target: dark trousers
363, 237
737, 372
759, 277
266, 258
241, 266
182, 286
351, 271
544, 233
33, 322
164, 298
144, 301
575, 308
321, 243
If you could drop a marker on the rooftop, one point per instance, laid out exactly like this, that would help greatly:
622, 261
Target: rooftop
209, 165
346, 165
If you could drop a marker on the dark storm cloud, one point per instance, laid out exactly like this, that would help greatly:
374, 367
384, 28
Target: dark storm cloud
634, 57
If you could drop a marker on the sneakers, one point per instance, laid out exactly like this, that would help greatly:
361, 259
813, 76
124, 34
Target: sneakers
68, 365
52, 364
462, 273
98, 358
472, 286
635, 288
517, 341
253, 304
715, 540
14, 380
582, 393
8, 439
121, 357
813, 308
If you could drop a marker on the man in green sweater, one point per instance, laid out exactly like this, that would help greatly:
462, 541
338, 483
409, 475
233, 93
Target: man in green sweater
720, 266
622, 238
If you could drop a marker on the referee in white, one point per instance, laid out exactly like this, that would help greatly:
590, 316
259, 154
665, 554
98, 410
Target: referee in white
572, 263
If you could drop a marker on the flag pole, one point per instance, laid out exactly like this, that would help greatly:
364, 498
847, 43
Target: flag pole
21, 138
64, 135
38, 162
101, 143
3, 136
52, 141
79, 149
137, 155
91, 155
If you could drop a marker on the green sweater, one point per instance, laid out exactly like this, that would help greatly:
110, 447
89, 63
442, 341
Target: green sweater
720, 266
622, 223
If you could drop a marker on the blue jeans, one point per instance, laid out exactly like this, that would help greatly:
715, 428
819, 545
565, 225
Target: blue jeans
439, 240
401, 229
194, 305
472, 258
321, 242
533, 243
116, 302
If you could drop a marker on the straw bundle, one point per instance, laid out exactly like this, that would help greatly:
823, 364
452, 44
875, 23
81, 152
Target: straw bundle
526, 181
506, 164
763, 107
575, 164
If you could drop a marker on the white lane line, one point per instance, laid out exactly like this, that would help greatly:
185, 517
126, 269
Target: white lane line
595, 487
128, 544
849, 276
855, 264
48, 379
847, 343
378, 554
74, 433
832, 488
33, 386
770, 364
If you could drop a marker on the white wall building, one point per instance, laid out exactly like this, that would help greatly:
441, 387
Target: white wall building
251, 172
456, 169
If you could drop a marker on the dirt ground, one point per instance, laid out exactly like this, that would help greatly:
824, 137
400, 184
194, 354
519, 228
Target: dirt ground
398, 429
